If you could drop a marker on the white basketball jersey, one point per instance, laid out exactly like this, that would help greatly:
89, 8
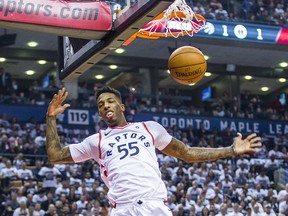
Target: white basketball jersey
127, 159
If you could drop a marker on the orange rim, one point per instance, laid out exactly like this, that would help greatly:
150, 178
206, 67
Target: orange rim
146, 34
143, 33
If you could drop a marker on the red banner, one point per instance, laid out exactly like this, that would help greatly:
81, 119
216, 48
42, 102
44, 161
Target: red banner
282, 36
90, 15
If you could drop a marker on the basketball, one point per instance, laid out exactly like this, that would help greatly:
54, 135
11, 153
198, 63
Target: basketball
187, 65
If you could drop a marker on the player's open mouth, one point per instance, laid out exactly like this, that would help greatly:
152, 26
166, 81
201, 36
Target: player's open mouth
109, 114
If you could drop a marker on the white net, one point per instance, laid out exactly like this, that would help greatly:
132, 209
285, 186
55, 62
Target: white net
178, 20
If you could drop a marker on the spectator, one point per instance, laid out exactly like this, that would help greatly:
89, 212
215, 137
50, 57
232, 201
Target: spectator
223, 210
178, 176
19, 159
38, 210
226, 185
30, 187
39, 197
192, 211
263, 179
76, 191
282, 193
12, 201
241, 180
241, 169
259, 192
255, 210
243, 160
236, 210
100, 211
251, 182
205, 211
24, 174
221, 14
51, 211
89, 181
66, 209
29, 200
8, 174
212, 206
22, 209
179, 210
81, 204
88, 210
171, 202
59, 207
47, 202
35, 170
74, 178
194, 191
48, 174
199, 206
40, 139
268, 211
64, 188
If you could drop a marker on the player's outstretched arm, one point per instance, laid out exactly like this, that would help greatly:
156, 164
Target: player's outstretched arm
178, 149
56, 154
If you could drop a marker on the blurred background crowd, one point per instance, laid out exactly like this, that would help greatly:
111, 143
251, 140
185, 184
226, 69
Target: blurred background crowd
251, 184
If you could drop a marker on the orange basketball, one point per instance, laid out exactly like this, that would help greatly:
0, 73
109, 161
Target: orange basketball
187, 65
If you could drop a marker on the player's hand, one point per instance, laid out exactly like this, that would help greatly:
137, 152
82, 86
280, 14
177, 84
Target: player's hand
247, 145
55, 106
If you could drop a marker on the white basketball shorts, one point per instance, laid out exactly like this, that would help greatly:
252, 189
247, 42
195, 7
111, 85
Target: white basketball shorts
142, 208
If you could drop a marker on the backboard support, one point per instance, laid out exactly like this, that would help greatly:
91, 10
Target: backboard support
73, 62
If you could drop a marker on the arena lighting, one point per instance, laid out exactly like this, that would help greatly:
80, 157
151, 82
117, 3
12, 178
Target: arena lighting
191, 84
208, 74
168, 71
32, 44
113, 67
29, 72
283, 64
99, 77
120, 50
248, 77
2, 59
282, 80
264, 88
206, 57
41, 62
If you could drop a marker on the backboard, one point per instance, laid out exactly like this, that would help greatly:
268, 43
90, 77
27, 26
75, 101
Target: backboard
76, 56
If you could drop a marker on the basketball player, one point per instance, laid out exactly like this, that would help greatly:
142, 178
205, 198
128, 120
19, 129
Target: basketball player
126, 154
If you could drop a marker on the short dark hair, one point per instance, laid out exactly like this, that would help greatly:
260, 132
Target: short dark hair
108, 89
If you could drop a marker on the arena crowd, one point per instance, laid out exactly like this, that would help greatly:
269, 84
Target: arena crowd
242, 185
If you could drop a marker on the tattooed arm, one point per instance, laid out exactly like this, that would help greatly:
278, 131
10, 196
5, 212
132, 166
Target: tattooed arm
56, 154
178, 149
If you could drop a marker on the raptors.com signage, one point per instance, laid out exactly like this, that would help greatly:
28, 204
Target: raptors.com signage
92, 15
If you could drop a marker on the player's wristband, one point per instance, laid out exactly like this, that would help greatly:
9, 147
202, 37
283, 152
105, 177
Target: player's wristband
234, 150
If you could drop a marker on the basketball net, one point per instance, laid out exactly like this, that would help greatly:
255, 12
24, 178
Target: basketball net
177, 20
